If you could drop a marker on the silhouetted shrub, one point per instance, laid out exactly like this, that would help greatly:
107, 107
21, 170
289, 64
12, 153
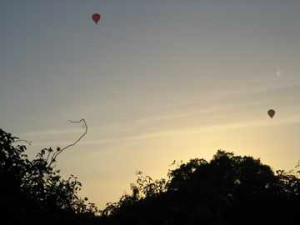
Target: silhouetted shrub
227, 190
33, 192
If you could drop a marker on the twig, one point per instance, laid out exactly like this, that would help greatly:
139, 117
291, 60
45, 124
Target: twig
21, 140
60, 150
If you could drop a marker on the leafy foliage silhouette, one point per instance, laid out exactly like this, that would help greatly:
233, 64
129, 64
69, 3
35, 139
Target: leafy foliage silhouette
227, 190
33, 192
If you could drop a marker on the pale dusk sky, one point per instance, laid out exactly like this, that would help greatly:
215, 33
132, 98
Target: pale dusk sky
156, 81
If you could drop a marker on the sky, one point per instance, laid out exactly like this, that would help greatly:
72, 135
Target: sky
156, 81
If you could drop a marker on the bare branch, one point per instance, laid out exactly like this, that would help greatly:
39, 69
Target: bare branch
49, 153
21, 140
60, 150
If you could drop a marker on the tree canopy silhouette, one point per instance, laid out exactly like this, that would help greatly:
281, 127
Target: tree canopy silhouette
33, 192
227, 190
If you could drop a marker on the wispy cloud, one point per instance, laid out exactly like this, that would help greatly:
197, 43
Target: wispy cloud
177, 115
50, 132
150, 126
188, 131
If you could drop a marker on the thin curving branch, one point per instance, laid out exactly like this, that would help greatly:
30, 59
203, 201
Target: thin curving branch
60, 150
49, 154
21, 140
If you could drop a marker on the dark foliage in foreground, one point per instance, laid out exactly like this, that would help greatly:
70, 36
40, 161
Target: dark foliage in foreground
33, 192
227, 190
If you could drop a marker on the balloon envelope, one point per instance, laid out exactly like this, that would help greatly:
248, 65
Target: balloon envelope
271, 113
96, 17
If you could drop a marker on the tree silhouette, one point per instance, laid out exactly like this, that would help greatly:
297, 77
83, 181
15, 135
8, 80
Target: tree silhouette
227, 190
33, 192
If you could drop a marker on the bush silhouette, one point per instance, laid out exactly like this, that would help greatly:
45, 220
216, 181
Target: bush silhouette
227, 190
33, 192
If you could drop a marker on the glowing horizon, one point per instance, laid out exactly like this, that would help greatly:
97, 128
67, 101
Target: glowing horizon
156, 81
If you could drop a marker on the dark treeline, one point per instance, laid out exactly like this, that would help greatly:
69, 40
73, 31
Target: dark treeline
33, 192
227, 190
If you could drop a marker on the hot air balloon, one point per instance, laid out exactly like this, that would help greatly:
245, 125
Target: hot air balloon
271, 113
96, 17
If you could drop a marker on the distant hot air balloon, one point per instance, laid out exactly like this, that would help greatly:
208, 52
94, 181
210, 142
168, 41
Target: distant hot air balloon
271, 113
96, 17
